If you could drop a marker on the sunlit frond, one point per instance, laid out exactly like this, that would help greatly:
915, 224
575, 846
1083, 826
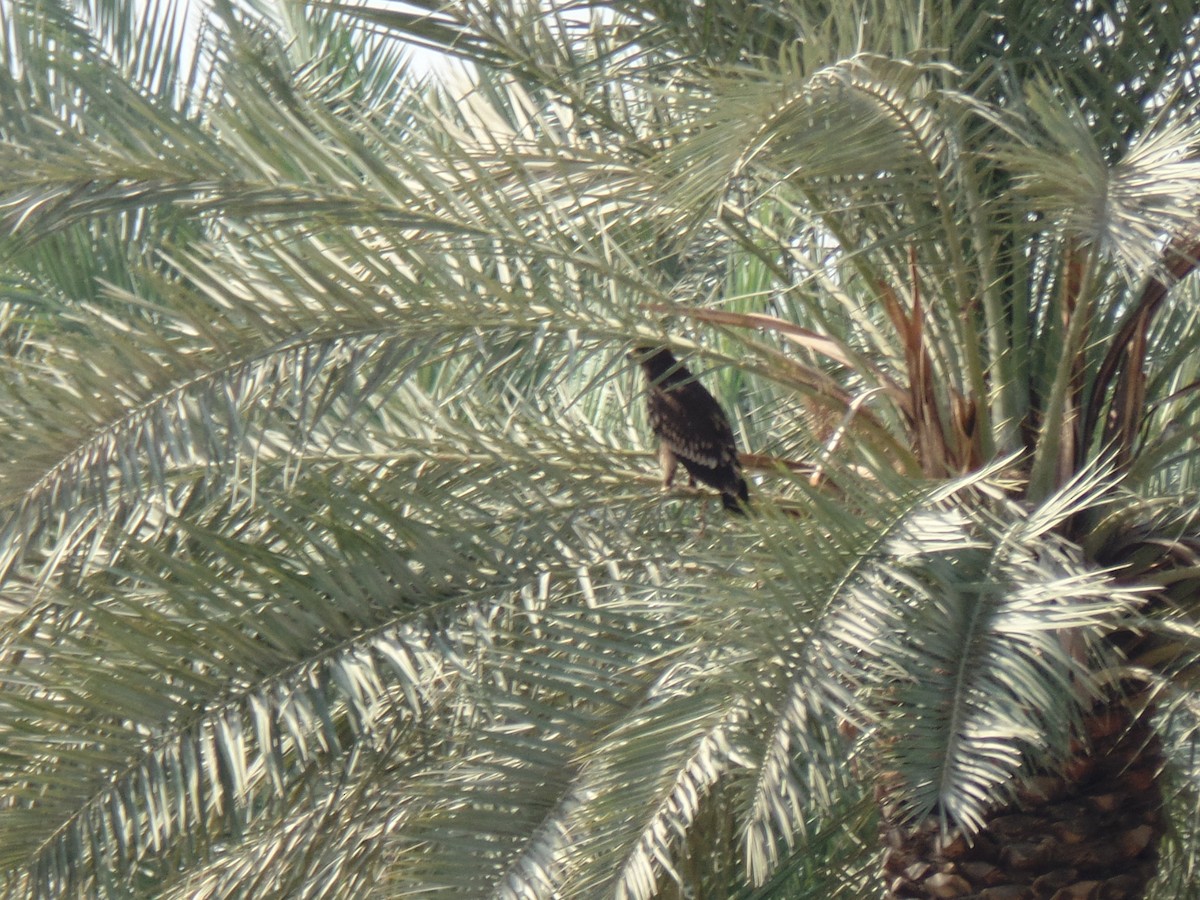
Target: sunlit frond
1127, 208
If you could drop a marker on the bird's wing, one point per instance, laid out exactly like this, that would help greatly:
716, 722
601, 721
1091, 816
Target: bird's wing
692, 424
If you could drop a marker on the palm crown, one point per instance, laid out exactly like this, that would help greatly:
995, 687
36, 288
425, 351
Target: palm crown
332, 553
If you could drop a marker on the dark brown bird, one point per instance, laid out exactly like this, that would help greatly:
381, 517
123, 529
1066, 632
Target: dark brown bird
691, 427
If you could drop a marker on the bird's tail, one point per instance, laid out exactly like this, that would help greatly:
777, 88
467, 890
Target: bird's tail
738, 499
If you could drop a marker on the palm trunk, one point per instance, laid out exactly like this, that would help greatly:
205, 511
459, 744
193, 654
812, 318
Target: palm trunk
1087, 832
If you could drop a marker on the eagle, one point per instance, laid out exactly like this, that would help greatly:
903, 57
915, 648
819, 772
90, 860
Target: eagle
691, 427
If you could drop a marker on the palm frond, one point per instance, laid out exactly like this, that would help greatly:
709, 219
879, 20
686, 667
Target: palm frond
332, 551
1009, 620
1125, 208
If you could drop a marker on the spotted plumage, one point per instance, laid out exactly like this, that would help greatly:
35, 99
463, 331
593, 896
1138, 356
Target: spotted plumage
691, 427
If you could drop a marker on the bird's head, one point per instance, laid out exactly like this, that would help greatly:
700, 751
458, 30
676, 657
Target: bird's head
644, 353
655, 360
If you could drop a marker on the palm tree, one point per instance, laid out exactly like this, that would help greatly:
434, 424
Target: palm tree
333, 558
